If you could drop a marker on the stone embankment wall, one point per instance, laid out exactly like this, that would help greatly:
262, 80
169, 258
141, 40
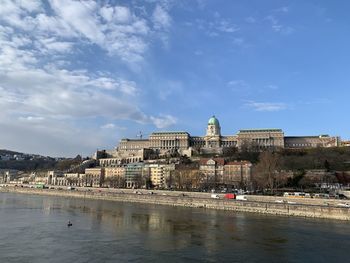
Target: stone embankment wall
253, 204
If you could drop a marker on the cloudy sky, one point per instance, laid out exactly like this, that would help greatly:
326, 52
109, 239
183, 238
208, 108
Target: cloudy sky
76, 76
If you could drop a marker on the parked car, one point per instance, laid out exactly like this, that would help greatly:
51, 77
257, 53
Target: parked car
215, 196
230, 196
241, 197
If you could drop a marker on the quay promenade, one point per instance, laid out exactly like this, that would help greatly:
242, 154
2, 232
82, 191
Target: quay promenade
301, 207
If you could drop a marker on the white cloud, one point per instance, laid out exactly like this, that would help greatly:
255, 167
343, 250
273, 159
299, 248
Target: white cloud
80, 16
266, 106
108, 126
278, 27
217, 26
119, 14
161, 18
55, 92
250, 19
162, 22
55, 26
272, 86
238, 85
52, 45
45, 96
226, 26
115, 29
32, 119
163, 121
283, 9
112, 126
31, 6
241, 42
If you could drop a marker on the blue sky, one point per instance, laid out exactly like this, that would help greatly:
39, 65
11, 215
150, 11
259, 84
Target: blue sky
78, 76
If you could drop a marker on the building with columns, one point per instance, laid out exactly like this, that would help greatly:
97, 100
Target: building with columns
214, 142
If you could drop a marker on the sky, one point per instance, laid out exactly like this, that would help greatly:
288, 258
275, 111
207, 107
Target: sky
76, 76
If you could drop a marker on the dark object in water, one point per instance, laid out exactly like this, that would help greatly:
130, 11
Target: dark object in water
69, 224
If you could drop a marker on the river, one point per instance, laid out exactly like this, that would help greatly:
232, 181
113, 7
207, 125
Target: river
34, 229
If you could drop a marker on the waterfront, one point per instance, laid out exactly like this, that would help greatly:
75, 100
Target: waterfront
33, 229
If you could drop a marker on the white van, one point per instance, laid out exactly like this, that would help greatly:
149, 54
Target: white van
241, 197
215, 196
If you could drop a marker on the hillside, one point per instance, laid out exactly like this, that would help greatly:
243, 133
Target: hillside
34, 162
8, 152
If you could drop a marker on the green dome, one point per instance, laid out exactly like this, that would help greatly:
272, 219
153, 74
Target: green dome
213, 121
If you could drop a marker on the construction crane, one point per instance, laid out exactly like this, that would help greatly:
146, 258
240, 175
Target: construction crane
140, 135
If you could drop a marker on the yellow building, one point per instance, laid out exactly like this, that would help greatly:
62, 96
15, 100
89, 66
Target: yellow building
94, 176
118, 171
156, 174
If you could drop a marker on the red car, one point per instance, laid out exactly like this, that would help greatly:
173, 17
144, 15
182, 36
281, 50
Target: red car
230, 196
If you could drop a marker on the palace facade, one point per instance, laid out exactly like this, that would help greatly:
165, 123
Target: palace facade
214, 142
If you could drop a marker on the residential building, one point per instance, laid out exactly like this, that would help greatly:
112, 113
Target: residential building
134, 175
237, 174
94, 177
156, 174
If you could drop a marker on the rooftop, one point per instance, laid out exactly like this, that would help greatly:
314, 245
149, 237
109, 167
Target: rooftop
219, 161
169, 132
260, 130
319, 136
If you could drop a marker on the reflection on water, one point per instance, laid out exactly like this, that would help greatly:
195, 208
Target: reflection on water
33, 229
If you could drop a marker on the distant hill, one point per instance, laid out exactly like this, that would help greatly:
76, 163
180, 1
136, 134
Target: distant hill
5, 152
34, 162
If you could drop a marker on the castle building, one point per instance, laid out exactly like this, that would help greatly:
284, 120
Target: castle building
215, 143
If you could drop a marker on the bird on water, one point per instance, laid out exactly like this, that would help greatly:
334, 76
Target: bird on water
69, 224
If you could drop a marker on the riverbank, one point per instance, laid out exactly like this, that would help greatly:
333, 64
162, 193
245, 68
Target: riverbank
255, 204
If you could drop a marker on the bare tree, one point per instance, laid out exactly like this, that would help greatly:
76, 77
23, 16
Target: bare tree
115, 181
266, 172
186, 179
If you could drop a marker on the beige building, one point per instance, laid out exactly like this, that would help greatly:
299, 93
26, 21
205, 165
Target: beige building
66, 179
156, 175
133, 145
237, 174
169, 141
94, 177
118, 171
212, 168
123, 155
214, 142
261, 138
311, 141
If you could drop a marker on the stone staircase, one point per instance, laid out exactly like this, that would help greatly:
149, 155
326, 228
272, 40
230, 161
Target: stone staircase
80, 168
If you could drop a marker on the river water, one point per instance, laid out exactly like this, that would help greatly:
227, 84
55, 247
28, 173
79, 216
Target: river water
34, 229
